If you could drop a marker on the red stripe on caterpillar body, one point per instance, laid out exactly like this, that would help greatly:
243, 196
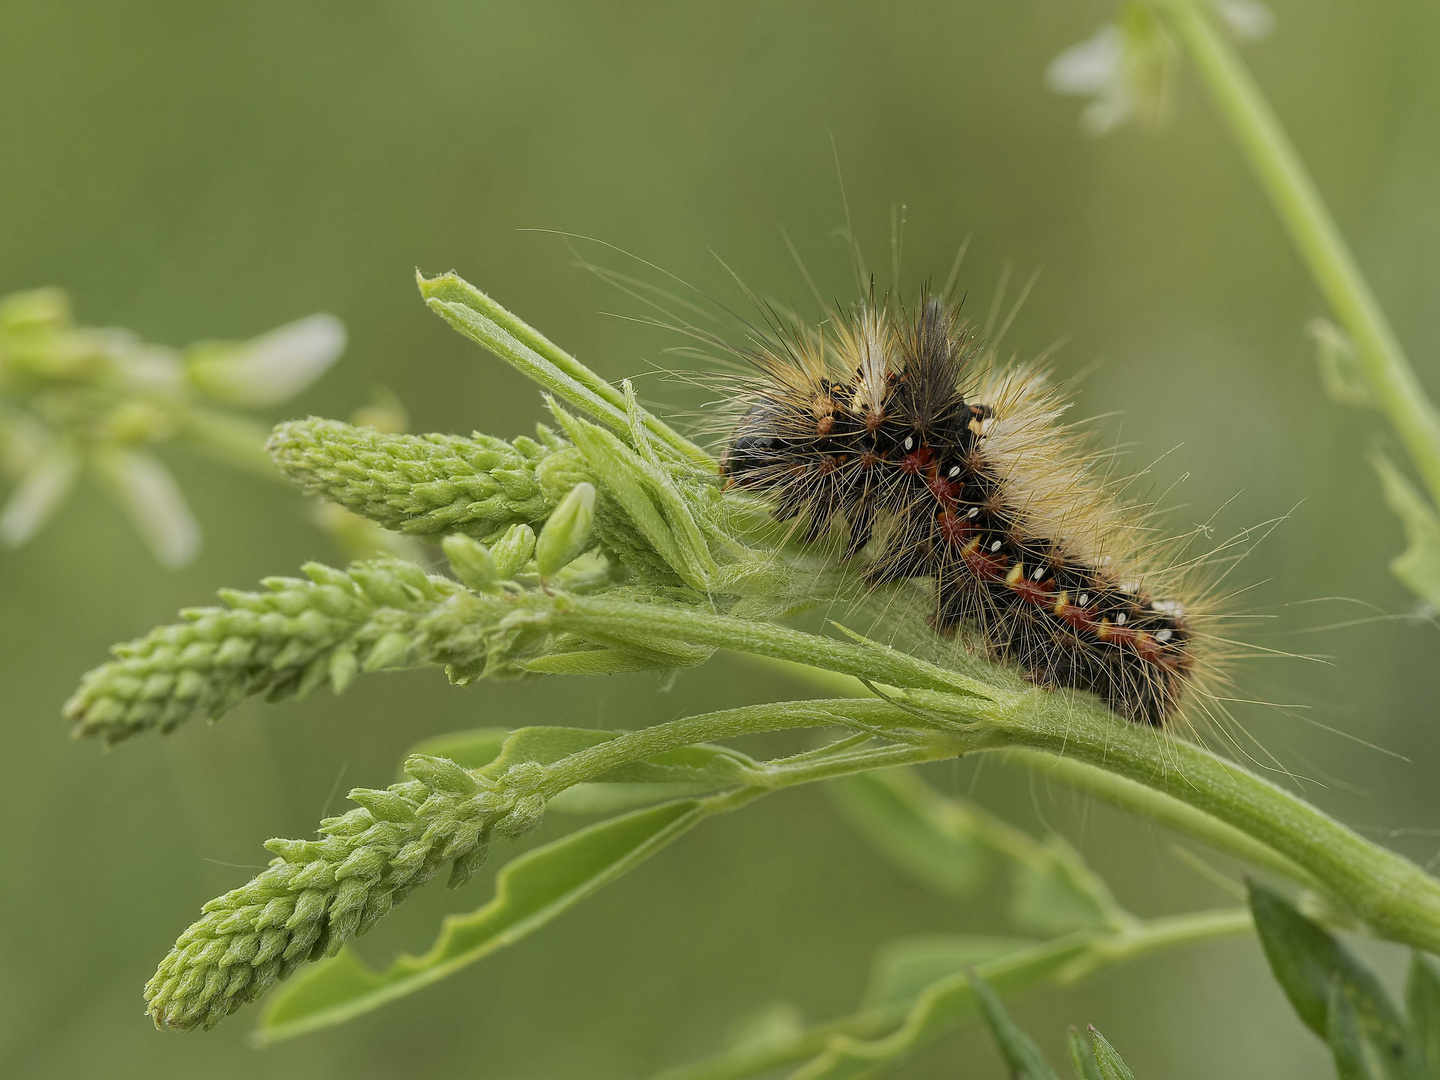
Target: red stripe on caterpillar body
883, 424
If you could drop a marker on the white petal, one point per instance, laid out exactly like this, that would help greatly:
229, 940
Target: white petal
151, 369
1105, 114
1249, 20
1089, 67
41, 490
153, 500
272, 367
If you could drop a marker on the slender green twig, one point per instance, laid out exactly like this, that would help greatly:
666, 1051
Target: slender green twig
872, 1034
1303, 211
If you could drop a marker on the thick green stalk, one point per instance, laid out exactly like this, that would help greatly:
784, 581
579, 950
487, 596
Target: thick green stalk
1397, 899
601, 618
1296, 200
1162, 808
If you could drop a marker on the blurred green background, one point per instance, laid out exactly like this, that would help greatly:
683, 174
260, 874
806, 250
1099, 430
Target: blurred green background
195, 171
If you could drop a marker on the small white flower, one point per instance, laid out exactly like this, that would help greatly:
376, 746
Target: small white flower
153, 500
1090, 67
272, 367
41, 491
1248, 20
1124, 69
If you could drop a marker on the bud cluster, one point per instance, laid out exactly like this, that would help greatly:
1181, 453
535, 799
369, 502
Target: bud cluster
422, 485
285, 641
317, 894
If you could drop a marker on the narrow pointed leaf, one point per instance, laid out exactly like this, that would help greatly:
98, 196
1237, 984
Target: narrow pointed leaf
1082, 1057
1308, 962
1422, 1001
1020, 1053
1347, 1042
1107, 1060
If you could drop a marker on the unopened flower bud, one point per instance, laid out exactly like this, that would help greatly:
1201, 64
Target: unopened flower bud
513, 550
567, 533
472, 562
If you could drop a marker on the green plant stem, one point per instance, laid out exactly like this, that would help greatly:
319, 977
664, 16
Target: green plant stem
1162, 808
236, 440
616, 620
1136, 798
587, 765
1394, 897
1064, 960
1313, 230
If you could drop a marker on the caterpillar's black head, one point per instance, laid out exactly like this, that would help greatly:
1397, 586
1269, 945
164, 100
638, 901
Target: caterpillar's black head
755, 449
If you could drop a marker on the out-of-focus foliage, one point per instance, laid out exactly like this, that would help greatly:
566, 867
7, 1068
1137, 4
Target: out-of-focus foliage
76, 399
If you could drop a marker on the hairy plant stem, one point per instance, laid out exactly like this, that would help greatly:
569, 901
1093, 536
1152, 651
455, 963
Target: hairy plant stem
1162, 808
1315, 234
1392, 896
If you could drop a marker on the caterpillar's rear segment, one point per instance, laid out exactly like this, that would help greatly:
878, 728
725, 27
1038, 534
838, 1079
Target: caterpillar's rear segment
901, 453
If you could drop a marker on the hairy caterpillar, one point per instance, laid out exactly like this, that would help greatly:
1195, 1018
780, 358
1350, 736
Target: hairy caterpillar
884, 422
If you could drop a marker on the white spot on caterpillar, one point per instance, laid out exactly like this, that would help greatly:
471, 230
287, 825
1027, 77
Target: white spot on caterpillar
954, 472
1163, 636
973, 512
909, 443
1120, 619
995, 546
1168, 607
1039, 573
1084, 598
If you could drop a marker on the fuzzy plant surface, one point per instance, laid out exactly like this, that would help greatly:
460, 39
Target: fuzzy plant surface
605, 544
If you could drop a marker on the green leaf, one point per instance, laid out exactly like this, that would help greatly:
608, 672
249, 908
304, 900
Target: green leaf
617, 798
1308, 963
675, 774
932, 838
766, 1029
1053, 891
1108, 1061
545, 745
529, 892
1347, 1043
950, 845
1082, 1057
1023, 1056
1422, 1001
1418, 566
903, 968
939, 1008
473, 749
1341, 372
598, 662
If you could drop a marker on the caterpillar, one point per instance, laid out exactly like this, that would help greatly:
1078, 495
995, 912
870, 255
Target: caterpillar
889, 426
